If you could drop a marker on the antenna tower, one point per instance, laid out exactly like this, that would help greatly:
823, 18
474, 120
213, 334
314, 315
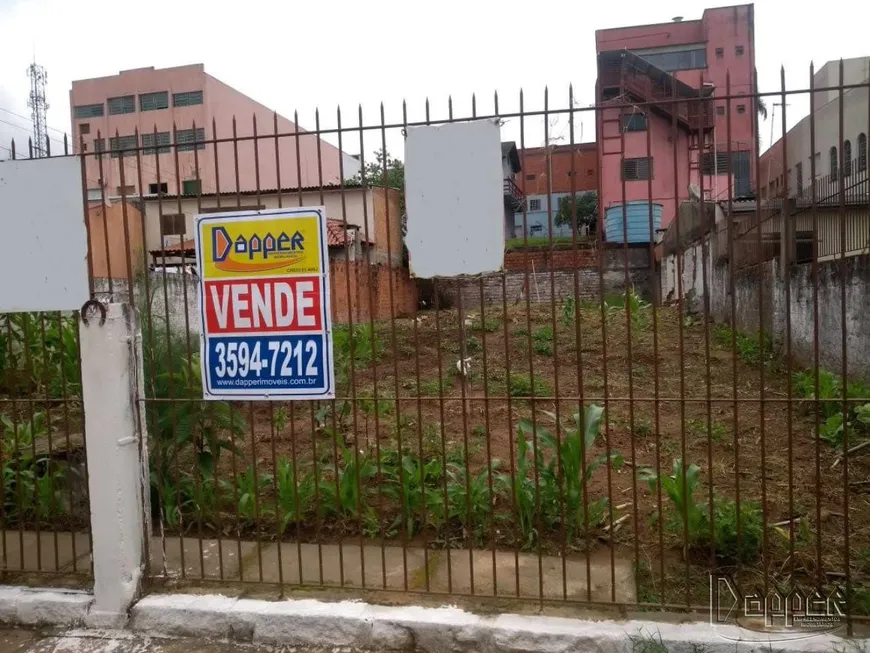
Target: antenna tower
38, 108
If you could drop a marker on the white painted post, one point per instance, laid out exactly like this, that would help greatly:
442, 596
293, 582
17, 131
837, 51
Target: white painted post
111, 378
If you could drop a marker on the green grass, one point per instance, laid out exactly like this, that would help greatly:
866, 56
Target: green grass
542, 341
434, 387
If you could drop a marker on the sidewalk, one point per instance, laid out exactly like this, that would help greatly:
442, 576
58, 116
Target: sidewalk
417, 569
26, 641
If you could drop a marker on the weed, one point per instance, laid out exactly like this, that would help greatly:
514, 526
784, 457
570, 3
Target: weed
473, 345
753, 349
631, 300
520, 332
413, 483
521, 386
368, 405
280, 419
542, 341
563, 470
436, 387
249, 487
366, 344
698, 429
569, 311
294, 497
830, 397
689, 520
490, 324
470, 501
643, 427
344, 494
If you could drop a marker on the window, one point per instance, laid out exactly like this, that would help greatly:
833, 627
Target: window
738, 50
187, 99
154, 101
799, 177
162, 143
172, 224
84, 147
676, 60
832, 153
847, 158
721, 163
185, 139
125, 190
85, 128
99, 146
534, 205
637, 169
89, 111
191, 187
122, 146
155, 189
741, 108
720, 53
634, 122
123, 104
590, 172
530, 177
720, 111
862, 152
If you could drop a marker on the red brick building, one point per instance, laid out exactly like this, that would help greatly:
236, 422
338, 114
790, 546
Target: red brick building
535, 173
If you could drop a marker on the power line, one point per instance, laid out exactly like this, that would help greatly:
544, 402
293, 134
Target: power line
18, 115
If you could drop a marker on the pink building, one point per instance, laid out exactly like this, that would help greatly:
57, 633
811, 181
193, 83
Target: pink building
185, 105
650, 65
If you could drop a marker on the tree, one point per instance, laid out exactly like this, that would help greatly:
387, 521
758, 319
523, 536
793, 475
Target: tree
585, 208
395, 177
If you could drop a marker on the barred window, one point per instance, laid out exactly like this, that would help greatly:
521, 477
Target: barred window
187, 139
187, 99
154, 101
638, 169
123, 146
123, 104
89, 111
162, 143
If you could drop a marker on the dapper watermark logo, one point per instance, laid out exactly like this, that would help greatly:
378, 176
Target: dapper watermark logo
776, 615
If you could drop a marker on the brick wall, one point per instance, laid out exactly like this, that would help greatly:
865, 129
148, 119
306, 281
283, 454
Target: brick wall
370, 291
548, 275
556, 176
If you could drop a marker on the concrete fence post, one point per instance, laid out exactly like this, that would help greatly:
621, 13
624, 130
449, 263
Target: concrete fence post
117, 459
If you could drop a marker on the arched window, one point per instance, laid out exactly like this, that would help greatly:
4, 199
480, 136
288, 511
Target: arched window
862, 152
833, 164
847, 158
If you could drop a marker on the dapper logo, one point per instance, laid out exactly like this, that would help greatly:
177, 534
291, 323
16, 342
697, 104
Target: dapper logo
255, 253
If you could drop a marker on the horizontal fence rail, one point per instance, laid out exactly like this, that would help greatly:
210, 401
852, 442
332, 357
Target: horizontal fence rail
603, 422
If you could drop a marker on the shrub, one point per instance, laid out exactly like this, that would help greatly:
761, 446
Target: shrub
489, 324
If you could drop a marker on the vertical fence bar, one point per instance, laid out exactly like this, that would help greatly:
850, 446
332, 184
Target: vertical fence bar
373, 345
731, 290
529, 350
844, 364
761, 342
682, 358
815, 279
789, 233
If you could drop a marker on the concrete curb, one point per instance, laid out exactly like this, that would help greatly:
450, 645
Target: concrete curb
434, 630
36, 607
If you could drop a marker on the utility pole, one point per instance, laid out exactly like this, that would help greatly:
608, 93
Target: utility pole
38, 108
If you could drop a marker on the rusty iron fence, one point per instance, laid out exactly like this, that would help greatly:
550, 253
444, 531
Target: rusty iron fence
44, 513
564, 431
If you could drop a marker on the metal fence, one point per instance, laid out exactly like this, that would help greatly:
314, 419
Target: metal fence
548, 434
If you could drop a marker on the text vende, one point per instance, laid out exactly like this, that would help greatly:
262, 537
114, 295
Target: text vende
279, 304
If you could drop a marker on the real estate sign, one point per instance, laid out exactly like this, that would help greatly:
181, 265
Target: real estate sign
264, 299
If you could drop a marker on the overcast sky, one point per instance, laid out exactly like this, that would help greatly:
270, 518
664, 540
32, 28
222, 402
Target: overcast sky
301, 55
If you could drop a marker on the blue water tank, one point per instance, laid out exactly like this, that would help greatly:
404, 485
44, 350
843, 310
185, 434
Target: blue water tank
637, 218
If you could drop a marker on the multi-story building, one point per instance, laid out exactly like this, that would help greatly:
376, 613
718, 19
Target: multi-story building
667, 123
547, 177
155, 108
826, 123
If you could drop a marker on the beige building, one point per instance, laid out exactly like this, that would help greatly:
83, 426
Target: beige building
169, 223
